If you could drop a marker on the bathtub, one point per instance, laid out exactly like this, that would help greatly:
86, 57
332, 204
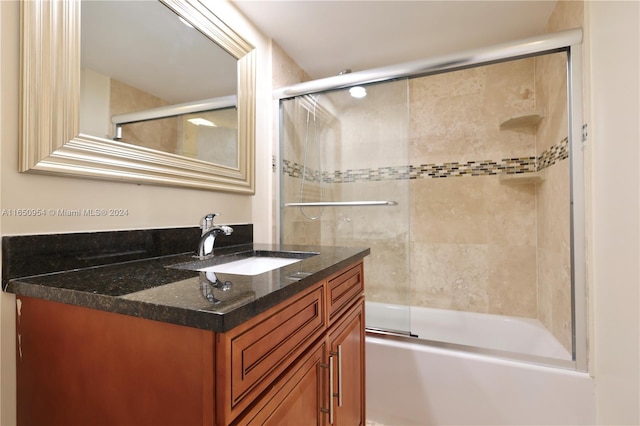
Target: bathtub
412, 383
494, 332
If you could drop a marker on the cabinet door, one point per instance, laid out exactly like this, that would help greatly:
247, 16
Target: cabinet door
80, 366
252, 356
346, 343
296, 398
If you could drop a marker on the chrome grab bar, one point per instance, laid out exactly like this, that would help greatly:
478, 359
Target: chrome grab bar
342, 204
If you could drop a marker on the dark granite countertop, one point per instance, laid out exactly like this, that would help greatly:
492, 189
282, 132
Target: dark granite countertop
150, 289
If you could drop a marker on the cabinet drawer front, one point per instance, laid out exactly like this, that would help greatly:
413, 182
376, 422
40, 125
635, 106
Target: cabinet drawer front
296, 397
344, 288
265, 350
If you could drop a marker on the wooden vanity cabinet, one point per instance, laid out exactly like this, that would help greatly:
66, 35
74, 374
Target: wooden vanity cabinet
298, 363
306, 395
324, 386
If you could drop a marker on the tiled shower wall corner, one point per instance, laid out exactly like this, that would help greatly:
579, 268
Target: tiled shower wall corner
476, 242
553, 207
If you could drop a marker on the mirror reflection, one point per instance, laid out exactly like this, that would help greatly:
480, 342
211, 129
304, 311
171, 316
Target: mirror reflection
156, 82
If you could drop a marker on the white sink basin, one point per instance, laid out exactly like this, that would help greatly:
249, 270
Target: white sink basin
251, 265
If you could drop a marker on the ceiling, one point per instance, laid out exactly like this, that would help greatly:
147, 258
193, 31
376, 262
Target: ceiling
322, 36
325, 37
154, 51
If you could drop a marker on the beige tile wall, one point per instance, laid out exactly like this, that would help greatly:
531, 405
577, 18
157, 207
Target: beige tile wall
455, 115
474, 243
554, 263
473, 238
301, 226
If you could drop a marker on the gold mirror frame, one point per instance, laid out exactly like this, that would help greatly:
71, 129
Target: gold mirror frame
50, 141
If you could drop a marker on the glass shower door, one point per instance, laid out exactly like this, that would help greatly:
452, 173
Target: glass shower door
345, 182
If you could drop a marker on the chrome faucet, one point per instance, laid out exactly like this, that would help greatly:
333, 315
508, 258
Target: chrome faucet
209, 234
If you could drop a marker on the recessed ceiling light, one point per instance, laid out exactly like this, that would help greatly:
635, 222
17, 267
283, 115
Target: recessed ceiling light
202, 122
358, 92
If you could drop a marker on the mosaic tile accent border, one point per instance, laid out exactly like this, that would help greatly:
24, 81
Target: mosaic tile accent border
367, 175
548, 158
475, 168
554, 154
296, 170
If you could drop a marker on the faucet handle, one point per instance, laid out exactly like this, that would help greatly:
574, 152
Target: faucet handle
227, 230
207, 221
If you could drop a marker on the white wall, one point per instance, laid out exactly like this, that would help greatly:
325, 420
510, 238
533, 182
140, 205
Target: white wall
614, 40
262, 216
148, 206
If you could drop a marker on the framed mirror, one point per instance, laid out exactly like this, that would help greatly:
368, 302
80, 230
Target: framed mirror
88, 110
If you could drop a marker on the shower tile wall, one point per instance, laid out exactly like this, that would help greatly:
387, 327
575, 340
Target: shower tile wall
285, 72
473, 239
297, 229
373, 134
553, 208
477, 241
372, 163
482, 243
554, 271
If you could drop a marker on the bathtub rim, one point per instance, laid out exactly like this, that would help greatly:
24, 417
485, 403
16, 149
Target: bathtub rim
406, 340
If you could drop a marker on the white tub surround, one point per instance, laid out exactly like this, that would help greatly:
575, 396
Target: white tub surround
414, 384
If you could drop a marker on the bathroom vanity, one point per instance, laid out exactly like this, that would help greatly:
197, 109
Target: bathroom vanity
149, 342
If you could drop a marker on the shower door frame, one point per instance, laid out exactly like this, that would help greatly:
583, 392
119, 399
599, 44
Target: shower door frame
569, 41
